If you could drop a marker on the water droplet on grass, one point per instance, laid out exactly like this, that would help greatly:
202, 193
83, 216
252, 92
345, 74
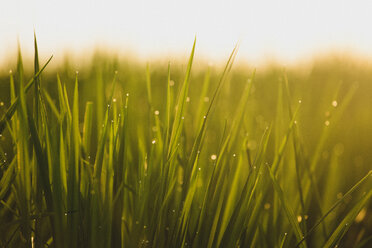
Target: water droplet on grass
299, 218
300, 101
206, 99
199, 169
171, 83
1, 104
156, 112
334, 103
327, 123
187, 99
114, 100
153, 141
213, 156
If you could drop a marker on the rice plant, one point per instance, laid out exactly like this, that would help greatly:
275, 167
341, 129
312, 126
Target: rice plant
145, 157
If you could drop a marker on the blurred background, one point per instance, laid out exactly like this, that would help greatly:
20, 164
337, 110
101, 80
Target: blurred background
286, 30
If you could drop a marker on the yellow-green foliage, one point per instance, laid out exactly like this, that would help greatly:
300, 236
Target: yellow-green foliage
123, 154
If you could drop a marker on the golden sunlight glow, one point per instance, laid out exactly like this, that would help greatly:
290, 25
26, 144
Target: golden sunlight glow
284, 29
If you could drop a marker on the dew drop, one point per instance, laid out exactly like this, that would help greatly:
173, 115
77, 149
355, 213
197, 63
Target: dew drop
1, 104
234, 155
114, 100
144, 227
214, 157
171, 83
334, 103
173, 210
153, 141
199, 169
326, 123
205, 117
127, 94
10, 71
187, 99
299, 101
182, 117
156, 112
299, 218
206, 99
267, 206
361, 215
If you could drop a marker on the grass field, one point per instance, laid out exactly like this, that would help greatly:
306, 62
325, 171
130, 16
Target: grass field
126, 154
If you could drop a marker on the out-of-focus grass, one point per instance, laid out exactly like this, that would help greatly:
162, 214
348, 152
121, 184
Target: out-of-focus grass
172, 155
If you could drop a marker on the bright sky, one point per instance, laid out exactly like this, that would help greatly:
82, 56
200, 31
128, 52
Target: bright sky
285, 29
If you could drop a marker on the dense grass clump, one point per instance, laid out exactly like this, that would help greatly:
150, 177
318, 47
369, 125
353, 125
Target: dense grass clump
123, 155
